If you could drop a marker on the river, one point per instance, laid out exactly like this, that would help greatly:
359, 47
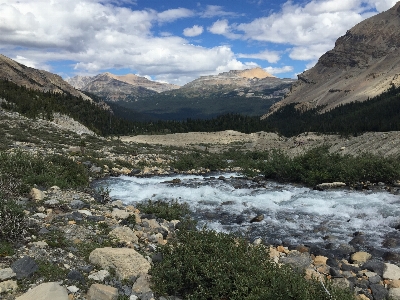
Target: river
293, 214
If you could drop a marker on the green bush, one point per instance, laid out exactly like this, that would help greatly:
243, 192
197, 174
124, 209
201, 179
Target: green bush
12, 220
20, 171
208, 265
168, 210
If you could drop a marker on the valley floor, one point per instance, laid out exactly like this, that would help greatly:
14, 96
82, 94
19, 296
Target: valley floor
380, 143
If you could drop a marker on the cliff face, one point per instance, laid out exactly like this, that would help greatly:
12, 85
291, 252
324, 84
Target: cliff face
364, 63
35, 79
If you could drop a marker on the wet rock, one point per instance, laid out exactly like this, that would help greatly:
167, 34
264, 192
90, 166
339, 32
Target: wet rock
375, 266
358, 240
379, 292
102, 292
46, 291
335, 273
24, 267
258, 218
392, 257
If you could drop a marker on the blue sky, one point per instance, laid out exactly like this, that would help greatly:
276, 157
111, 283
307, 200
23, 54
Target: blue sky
176, 41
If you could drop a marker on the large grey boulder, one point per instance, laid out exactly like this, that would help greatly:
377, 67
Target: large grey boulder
391, 272
126, 262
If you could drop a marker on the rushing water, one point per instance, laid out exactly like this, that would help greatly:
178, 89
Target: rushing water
292, 214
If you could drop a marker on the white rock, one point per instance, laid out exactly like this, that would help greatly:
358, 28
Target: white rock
36, 194
391, 272
46, 291
72, 289
85, 212
124, 234
394, 294
99, 276
6, 273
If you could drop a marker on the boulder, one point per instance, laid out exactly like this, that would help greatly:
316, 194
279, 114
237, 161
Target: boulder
46, 291
24, 267
126, 262
120, 214
102, 292
258, 218
391, 272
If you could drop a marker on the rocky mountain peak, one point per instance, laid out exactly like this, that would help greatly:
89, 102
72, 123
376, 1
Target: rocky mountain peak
35, 79
364, 63
255, 73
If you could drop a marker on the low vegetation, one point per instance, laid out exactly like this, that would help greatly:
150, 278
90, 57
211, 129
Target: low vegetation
209, 265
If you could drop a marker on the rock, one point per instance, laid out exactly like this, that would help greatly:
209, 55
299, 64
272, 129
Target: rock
72, 289
75, 275
320, 260
258, 218
341, 283
375, 279
360, 257
95, 169
310, 273
9, 285
124, 234
102, 292
120, 214
76, 204
142, 285
85, 212
391, 272
7, 273
24, 267
299, 261
126, 262
375, 266
150, 223
99, 276
51, 202
134, 172
39, 244
392, 257
46, 291
379, 292
394, 294
395, 284
36, 195
329, 185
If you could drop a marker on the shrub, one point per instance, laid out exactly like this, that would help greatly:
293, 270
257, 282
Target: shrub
168, 210
208, 265
12, 220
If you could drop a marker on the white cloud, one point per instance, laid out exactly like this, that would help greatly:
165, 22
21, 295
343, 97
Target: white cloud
193, 31
174, 14
222, 27
273, 70
217, 11
311, 27
270, 56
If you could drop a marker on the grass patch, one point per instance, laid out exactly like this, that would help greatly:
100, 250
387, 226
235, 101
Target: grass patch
208, 265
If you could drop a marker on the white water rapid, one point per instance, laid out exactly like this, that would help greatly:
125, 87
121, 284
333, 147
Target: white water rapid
292, 214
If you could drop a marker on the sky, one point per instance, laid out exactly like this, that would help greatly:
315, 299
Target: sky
176, 41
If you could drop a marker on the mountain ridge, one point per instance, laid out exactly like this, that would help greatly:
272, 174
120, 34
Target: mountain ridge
364, 63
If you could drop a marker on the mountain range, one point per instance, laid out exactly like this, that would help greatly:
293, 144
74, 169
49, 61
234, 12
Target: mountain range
364, 63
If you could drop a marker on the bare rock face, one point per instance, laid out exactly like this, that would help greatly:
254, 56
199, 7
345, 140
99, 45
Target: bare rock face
255, 79
364, 63
35, 79
117, 88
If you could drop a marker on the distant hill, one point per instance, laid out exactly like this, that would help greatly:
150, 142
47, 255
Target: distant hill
364, 63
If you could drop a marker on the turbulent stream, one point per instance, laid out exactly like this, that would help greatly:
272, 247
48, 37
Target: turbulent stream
293, 215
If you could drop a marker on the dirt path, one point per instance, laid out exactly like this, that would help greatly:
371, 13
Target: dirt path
382, 143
